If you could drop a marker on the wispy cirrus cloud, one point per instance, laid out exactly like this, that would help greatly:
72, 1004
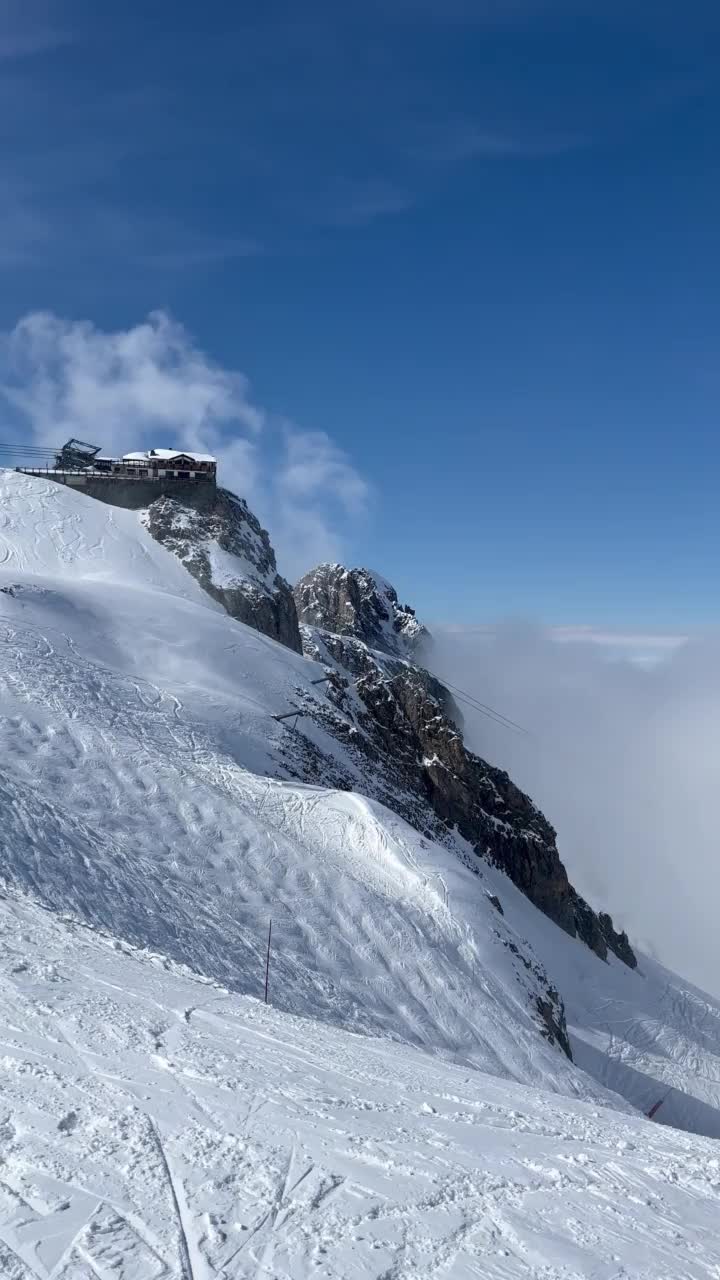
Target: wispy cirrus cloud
26, 231
162, 243
41, 229
31, 27
460, 141
198, 251
357, 202
338, 118
17, 44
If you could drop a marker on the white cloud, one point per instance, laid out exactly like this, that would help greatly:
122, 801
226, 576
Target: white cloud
152, 385
315, 465
623, 758
314, 491
644, 647
69, 378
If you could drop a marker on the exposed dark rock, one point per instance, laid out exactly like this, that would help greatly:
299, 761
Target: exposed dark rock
225, 548
493, 898
552, 1014
617, 942
549, 1005
359, 603
409, 748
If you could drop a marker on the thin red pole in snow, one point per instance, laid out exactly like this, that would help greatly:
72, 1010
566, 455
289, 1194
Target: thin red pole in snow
656, 1107
267, 962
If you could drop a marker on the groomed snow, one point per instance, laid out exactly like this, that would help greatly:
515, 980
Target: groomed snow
156, 1127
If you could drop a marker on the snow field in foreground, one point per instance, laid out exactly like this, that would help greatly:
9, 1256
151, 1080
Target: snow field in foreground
157, 1127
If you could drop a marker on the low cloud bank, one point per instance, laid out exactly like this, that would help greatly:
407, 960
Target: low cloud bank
623, 756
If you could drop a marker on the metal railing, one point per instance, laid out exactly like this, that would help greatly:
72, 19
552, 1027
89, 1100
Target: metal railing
55, 473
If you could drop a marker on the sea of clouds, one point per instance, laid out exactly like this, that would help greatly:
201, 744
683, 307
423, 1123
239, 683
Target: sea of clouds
622, 753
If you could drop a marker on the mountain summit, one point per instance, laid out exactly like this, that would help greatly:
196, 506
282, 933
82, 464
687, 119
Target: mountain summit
361, 604
409, 746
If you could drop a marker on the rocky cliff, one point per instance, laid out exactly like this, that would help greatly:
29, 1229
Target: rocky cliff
223, 545
359, 603
406, 735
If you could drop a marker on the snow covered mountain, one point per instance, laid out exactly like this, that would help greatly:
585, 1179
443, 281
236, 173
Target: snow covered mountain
223, 545
399, 727
408, 745
149, 790
163, 1123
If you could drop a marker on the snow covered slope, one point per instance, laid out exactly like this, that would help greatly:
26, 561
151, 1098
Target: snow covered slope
647, 1033
156, 1127
143, 791
147, 790
48, 529
224, 547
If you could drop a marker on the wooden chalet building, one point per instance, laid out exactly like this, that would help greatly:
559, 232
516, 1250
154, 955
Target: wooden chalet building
160, 464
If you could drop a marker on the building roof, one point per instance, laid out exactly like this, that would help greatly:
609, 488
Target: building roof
167, 455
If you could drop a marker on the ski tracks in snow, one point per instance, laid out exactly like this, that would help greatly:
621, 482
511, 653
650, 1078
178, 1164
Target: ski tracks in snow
192, 1264
159, 1128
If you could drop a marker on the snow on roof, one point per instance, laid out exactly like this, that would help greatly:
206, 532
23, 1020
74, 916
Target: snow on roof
166, 455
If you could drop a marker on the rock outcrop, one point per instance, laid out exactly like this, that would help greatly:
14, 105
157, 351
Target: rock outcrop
399, 725
223, 545
407, 741
359, 603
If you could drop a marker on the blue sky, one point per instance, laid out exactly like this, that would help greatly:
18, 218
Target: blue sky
473, 243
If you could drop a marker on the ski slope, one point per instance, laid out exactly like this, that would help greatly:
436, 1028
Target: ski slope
141, 793
147, 791
158, 1127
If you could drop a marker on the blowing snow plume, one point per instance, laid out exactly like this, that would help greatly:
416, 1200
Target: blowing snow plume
623, 757
152, 385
